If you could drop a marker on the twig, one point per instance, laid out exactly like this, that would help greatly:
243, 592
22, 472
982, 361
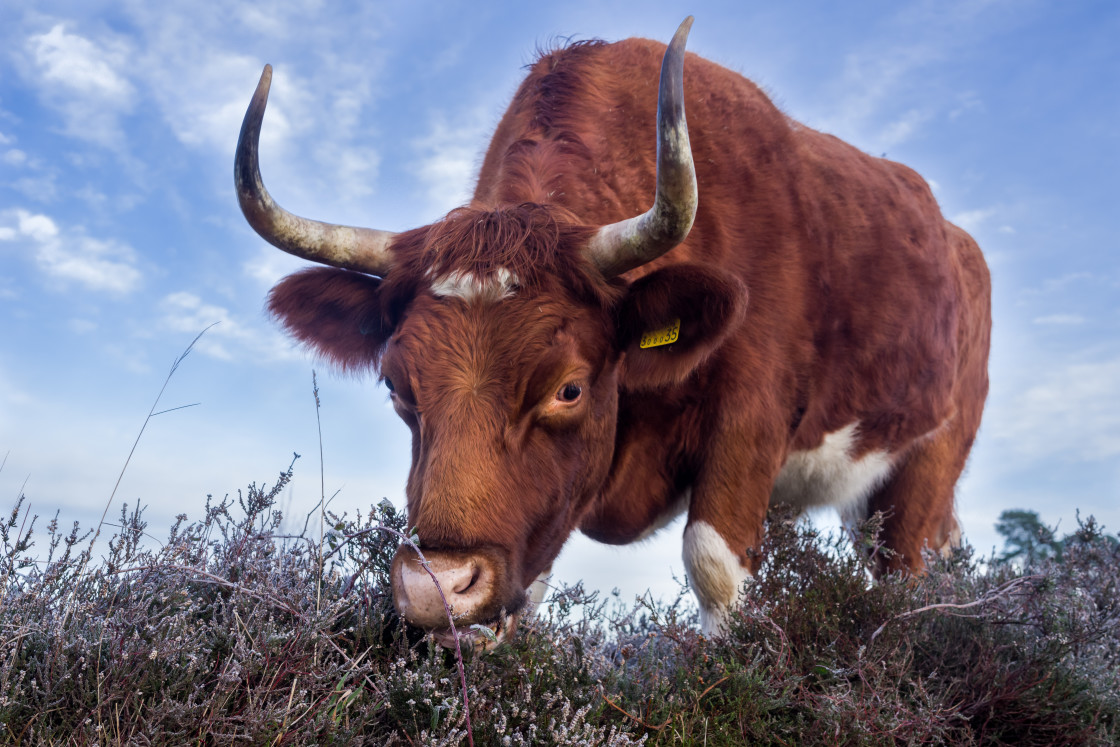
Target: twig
287, 711
180, 407
218, 580
322, 491
353, 664
15, 546
151, 414
991, 596
629, 715
208, 577
708, 689
454, 633
307, 519
212, 578
446, 608
363, 532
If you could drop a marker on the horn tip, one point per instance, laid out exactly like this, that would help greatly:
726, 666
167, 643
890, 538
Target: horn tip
263, 86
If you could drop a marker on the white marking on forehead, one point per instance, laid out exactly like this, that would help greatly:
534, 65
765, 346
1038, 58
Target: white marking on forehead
829, 476
470, 287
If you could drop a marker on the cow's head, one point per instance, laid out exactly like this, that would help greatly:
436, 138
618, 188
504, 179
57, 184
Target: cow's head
505, 336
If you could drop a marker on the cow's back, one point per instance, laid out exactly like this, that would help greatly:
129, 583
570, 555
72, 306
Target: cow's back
853, 273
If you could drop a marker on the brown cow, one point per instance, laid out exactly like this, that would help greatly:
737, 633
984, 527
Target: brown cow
512, 333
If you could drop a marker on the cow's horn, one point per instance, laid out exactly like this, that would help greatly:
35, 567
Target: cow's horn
363, 249
622, 246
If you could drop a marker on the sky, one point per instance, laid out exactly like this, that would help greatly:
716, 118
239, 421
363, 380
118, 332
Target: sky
121, 239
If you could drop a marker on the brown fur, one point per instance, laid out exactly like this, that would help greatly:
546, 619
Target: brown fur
865, 305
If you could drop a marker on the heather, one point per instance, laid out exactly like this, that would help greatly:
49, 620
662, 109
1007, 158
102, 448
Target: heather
236, 628
243, 626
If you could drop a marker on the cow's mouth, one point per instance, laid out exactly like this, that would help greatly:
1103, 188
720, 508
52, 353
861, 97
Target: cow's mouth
479, 636
479, 623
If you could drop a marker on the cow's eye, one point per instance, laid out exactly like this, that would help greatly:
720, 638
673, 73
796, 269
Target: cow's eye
570, 393
389, 384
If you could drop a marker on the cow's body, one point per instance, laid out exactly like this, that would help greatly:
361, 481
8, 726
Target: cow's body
854, 376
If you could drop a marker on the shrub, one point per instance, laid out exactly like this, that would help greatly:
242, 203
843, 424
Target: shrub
236, 629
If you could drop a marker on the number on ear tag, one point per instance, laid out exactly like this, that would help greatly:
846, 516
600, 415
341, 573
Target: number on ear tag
664, 336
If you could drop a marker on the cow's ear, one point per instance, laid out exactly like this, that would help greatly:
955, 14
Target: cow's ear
708, 307
337, 313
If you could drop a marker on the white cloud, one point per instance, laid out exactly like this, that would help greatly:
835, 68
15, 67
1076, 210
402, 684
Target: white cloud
186, 312
971, 220
351, 169
12, 398
1057, 285
201, 69
900, 130
85, 80
448, 158
1070, 414
71, 256
868, 93
98, 265
41, 188
14, 157
968, 101
264, 20
39, 227
76, 62
893, 84
1063, 319
82, 326
204, 107
270, 264
229, 338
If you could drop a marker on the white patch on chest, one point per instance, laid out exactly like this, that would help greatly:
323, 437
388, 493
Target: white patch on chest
539, 588
829, 476
470, 287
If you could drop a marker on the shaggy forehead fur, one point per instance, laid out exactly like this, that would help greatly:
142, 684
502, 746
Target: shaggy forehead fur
537, 244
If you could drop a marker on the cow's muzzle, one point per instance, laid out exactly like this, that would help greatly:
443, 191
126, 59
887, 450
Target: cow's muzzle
472, 585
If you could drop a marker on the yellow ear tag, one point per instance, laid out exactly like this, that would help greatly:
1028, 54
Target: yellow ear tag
664, 336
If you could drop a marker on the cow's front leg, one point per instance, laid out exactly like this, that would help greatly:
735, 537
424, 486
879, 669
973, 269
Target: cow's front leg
725, 523
716, 572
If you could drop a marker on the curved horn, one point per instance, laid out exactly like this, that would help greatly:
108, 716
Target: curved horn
362, 249
619, 247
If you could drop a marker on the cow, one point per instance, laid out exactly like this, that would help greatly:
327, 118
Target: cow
792, 321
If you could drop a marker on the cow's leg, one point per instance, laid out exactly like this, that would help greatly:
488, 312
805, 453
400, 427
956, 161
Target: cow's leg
716, 572
918, 500
725, 520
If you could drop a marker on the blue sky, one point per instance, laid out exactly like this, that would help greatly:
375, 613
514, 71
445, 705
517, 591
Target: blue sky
120, 237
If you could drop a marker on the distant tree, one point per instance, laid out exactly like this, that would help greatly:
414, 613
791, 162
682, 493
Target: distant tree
1026, 539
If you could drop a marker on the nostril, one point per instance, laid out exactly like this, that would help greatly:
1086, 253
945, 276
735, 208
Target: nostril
468, 581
